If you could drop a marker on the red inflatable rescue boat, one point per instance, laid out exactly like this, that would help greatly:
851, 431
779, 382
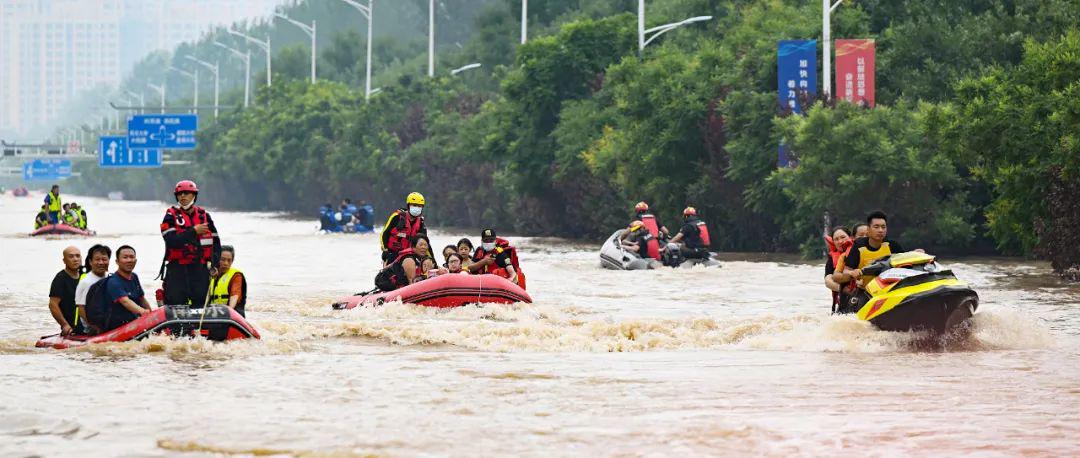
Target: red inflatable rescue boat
445, 291
219, 323
60, 229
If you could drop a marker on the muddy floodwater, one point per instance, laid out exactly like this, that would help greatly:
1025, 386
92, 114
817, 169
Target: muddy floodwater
739, 360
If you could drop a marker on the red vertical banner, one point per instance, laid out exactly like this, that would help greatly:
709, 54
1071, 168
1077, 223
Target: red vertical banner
855, 71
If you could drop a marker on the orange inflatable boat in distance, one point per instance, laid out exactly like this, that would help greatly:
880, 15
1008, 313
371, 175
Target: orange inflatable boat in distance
445, 291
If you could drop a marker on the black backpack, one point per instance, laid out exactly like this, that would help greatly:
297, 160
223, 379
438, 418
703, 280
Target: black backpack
98, 308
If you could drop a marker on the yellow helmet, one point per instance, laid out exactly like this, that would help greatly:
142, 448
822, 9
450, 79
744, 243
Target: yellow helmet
414, 198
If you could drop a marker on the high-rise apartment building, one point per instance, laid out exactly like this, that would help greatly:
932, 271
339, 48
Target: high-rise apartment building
52, 50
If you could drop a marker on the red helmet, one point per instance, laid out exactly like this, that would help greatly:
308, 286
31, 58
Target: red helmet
689, 211
186, 186
641, 207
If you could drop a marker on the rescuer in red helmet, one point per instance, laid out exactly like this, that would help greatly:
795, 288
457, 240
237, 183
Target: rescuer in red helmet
192, 247
693, 239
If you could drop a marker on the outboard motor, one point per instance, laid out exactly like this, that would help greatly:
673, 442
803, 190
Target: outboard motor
673, 256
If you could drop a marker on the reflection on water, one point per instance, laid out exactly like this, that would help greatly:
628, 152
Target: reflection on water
743, 359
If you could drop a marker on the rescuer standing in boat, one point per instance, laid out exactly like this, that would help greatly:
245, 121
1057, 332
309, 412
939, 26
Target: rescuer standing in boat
192, 247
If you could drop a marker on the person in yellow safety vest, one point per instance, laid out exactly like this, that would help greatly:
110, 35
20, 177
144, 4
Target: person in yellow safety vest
68, 216
80, 215
229, 286
52, 200
42, 218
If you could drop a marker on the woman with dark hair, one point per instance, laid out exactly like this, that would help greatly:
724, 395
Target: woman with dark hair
447, 251
422, 246
838, 243
453, 264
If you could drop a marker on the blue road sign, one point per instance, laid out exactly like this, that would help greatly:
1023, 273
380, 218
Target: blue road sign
162, 131
114, 153
47, 169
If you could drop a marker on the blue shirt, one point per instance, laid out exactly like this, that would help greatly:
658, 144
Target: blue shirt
118, 288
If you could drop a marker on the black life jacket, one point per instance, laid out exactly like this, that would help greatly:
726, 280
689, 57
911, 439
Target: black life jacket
98, 308
393, 275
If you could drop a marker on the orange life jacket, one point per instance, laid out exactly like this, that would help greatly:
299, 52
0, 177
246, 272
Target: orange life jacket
182, 222
836, 252
703, 232
652, 246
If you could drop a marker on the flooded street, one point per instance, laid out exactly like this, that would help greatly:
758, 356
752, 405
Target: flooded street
743, 359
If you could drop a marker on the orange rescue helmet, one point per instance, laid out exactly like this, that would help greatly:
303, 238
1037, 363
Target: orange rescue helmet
689, 211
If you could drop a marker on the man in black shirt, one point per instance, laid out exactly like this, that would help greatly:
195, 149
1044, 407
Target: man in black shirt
62, 291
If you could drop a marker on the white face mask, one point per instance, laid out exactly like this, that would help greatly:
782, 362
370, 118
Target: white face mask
488, 246
188, 206
415, 211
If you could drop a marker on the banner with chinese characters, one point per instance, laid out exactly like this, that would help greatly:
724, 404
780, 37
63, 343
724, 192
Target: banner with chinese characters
855, 71
796, 65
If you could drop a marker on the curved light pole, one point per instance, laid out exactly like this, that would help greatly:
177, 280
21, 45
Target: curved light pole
369, 13
213, 69
310, 30
826, 43
161, 92
246, 56
660, 30
194, 77
140, 96
264, 45
464, 68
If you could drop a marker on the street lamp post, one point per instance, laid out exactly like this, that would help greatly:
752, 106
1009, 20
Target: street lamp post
369, 13
213, 69
310, 30
264, 45
662, 29
826, 44
464, 68
246, 56
142, 99
195, 78
524, 20
161, 92
431, 39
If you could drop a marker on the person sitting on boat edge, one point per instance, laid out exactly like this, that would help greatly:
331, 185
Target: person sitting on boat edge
229, 287
422, 245
42, 218
97, 268
402, 226
400, 272
62, 291
496, 256
117, 299
82, 217
327, 220
693, 237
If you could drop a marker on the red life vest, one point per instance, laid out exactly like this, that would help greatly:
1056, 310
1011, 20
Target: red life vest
183, 222
703, 232
400, 236
652, 246
500, 246
836, 252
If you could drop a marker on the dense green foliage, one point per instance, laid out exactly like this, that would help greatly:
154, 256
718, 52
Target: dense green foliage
977, 123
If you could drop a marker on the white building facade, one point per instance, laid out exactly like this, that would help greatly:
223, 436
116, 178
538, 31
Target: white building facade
52, 50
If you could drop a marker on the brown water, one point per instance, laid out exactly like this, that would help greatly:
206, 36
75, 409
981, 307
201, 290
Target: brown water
743, 359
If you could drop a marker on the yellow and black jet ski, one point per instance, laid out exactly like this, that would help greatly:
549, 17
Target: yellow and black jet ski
912, 292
